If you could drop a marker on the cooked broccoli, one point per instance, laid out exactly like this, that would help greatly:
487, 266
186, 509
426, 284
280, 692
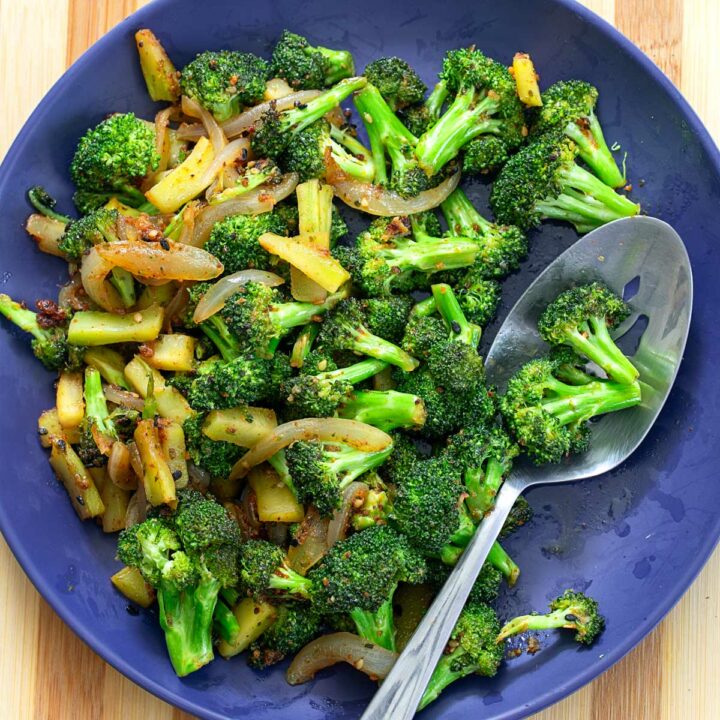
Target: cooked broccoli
187, 556
421, 117
306, 67
387, 316
543, 181
472, 650
549, 401
569, 105
582, 318
384, 259
572, 610
294, 627
277, 129
485, 456
344, 329
322, 470
502, 247
424, 329
234, 240
253, 175
485, 102
396, 81
265, 573
320, 394
215, 457
307, 153
484, 154
376, 508
477, 296
49, 339
384, 409
359, 576
225, 81
112, 157
98, 431
45, 204
520, 514
390, 141
485, 589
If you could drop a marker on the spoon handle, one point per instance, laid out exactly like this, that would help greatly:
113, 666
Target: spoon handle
401, 691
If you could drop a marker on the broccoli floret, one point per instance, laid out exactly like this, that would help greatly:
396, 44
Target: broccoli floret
384, 409
502, 247
277, 129
344, 328
359, 576
294, 627
543, 181
254, 174
98, 431
45, 204
485, 102
49, 332
402, 459
582, 318
265, 573
520, 514
484, 154
215, 457
396, 81
421, 117
423, 330
569, 105
472, 650
485, 589
322, 470
225, 81
384, 259
572, 610
306, 67
234, 240
477, 296
112, 157
387, 316
307, 154
320, 395
485, 456
390, 141
547, 409
377, 505
187, 565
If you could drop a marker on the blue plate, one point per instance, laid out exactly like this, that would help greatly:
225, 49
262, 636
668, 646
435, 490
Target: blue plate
635, 538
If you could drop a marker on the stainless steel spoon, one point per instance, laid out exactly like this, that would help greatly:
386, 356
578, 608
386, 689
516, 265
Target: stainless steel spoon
617, 254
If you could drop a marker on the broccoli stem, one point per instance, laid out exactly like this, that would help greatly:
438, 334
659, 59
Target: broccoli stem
358, 162
594, 342
279, 465
287, 316
364, 342
462, 217
571, 404
45, 205
424, 308
446, 672
436, 99
96, 408
225, 623
384, 409
290, 583
385, 132
432, 254
339, 64
351, 464
465, 119
303, 344
249, 181
91, 327
124, 283
377, 627
451, 312
186, 618
357, 372
482, 486
497, 557
220, 336
22, 317
594, 150
551, 621
587, 198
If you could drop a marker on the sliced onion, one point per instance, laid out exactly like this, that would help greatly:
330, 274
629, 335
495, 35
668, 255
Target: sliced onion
376, 200
277, 533
246, 120
119, 469
261, 199
214, 299
124, 398
248, 503
169, 261
136, 460
137, 507
199, 478
72, 295
375, 661
337, 529
212, 129
188, 222
312, 545
93, 271
176, 307
162, 138
349, 432
46, 232
227, 156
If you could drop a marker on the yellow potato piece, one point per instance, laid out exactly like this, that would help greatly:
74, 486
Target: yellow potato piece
172, 352
69, 399
243, 426
275, 501
526, 80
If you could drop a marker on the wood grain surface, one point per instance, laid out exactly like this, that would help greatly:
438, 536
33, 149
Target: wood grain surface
46, 673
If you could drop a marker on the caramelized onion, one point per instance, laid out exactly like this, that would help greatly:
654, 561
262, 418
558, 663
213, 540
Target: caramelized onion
124, 398
376, 200
46, 232
246, 120
349, 432
227, 156
337, 529
261, 199
214, 299
119, 469
375, 661
93, 271
212, 129
137, 507
312, 544
162, 138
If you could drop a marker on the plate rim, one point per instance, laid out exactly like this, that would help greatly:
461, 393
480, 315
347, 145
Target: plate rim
682, 581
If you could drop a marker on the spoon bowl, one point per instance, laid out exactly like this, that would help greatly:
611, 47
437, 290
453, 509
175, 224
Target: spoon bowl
642, 259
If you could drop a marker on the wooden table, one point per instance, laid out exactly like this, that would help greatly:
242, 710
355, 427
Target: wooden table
46, 673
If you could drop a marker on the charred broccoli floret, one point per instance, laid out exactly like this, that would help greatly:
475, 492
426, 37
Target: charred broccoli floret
396, 81
294, 627
420, 117
265, 573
